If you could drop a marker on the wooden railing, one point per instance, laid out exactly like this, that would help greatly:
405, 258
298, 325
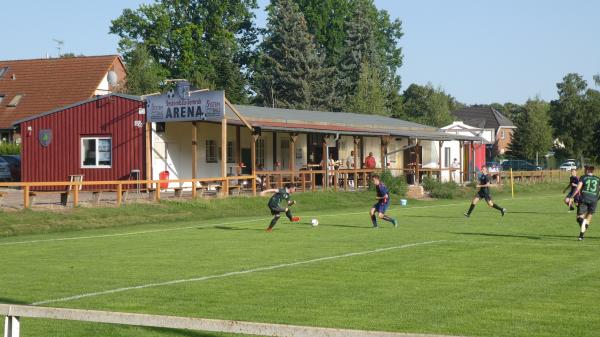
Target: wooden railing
14, 313
304, 180
222, 187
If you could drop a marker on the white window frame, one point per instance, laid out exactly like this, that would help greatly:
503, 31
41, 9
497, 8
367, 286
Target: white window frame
502, 134
447, 156
97, 141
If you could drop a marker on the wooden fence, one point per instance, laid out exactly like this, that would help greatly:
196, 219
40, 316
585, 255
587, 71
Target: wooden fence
13, 313
304, 180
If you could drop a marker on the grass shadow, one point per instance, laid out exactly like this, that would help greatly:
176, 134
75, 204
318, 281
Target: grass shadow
520, 236
4, 300
181, 332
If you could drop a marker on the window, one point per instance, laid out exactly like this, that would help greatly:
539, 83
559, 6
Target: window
1, 98
96, 152
260, 152
446, 157
502, 136
15, 101
285, 153
3, 71
211, 151
230, 153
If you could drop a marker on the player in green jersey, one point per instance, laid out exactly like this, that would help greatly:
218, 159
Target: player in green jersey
589, 191
282, 194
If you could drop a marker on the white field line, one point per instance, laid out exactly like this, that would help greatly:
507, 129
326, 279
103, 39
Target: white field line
219, 224
235, 273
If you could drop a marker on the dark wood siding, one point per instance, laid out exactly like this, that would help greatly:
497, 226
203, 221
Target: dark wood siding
111, 116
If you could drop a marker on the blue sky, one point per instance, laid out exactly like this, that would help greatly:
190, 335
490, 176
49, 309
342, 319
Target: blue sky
478, 51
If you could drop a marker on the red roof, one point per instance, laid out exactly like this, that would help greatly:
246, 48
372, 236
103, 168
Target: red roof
47, 84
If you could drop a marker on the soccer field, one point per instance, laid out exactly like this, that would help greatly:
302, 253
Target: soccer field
521, 275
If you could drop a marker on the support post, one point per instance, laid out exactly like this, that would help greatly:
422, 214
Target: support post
383, 151
238, 149
225, 189
356, 142
253, 154
26, 196
293, 139
460, 161
148, 153
194, 157
440, 144
119, 194
75, 195
325, 165
417, 160
12, 326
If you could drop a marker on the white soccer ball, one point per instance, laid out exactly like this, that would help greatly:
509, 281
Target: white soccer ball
315, 222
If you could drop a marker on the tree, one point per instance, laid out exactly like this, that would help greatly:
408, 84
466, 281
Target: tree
427, 105
371, 38
572, 118
291, 71
370, 96
207, 40
533, 135
144, 74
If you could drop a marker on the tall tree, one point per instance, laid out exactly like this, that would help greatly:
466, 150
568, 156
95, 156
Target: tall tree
572, 119
428, 105
144, 74
326, 21
291, 71
533, 135
370, 96
204, 40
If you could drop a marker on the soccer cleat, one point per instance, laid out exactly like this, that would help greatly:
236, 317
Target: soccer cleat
295, 219
502, 211
466, 215
268, 229
375, 227
395, 222
580, 238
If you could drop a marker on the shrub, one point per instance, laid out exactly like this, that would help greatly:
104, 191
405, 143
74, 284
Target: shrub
396, 185
441, 190
9, 148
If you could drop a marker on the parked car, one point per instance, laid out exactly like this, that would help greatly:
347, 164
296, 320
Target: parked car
519, 165
14, 162
568, 165
4, 170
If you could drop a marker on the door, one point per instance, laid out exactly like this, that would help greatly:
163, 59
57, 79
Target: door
247, 160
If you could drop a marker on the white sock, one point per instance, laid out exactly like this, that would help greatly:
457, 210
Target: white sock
583, 223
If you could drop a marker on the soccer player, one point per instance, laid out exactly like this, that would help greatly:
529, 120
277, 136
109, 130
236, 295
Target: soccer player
275, 201
484, 193
589, 190
573, 182
383, 201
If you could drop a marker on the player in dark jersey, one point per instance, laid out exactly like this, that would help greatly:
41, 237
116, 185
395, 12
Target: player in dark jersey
573, 182
589, 191
282, 194
484, 193
383, 201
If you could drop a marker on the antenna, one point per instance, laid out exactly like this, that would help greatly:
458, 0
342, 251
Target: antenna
59, 45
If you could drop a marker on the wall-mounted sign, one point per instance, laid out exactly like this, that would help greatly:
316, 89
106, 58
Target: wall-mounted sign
180, 105
45, 137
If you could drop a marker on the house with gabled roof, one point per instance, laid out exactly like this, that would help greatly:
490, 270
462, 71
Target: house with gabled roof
31, 87
488, 118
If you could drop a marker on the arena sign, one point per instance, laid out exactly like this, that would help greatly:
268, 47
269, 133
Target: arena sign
181, 105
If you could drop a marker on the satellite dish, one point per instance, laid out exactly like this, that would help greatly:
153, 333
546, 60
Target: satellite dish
113, 78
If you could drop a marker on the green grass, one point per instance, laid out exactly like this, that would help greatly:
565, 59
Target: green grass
523, 275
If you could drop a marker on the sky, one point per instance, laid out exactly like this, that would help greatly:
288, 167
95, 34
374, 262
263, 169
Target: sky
479, 51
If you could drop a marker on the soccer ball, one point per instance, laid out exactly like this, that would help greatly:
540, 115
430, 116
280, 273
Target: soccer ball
315, 222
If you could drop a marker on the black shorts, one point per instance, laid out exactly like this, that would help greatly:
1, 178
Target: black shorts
276, 210
484, 195
587, 205
570, 194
